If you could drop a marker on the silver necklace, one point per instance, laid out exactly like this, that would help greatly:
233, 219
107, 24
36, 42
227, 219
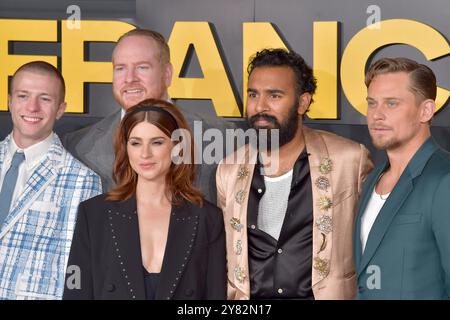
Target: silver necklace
380, 195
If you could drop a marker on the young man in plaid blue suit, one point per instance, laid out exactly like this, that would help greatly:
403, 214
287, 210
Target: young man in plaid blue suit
41, 187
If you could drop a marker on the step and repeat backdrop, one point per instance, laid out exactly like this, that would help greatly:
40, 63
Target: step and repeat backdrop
211, 42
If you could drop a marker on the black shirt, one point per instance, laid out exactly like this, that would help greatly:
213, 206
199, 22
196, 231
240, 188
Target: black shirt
151, 284
282, 269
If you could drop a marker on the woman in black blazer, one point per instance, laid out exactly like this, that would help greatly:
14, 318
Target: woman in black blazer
153, 236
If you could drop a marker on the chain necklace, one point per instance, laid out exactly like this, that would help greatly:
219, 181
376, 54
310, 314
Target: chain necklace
380, 195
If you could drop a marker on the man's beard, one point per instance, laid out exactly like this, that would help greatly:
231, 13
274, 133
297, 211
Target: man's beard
385, 144
286, 130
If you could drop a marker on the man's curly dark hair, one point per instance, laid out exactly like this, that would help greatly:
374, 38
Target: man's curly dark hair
305, 81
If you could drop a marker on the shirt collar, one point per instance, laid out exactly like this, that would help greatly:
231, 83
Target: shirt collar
34, 153
303, 155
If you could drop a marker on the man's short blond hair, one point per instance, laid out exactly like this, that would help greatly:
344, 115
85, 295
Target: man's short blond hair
41, 67
422, 78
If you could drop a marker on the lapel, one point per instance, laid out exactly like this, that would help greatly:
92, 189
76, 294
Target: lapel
124, 227
183, 227
321, 166
242, 178
181, 237
322, 211
41, 177
395, 200
365, 197
98, 148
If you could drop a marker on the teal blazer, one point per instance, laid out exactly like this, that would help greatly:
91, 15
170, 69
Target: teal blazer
407, 254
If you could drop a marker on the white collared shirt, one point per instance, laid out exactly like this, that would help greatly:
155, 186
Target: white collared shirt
33, 156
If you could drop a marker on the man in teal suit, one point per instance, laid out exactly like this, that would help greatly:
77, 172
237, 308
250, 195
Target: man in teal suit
402, 233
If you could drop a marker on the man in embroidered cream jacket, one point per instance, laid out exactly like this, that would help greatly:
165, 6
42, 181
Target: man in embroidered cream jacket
289, 213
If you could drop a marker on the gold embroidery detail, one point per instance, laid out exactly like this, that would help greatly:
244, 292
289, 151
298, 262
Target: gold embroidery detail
242, 173
322, 183
236, 224
324, 203
326, 165
324, 243
322, 266
325, 223
238, 247
239, 274
240, 196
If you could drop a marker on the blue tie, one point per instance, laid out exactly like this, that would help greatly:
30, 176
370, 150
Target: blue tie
9, 184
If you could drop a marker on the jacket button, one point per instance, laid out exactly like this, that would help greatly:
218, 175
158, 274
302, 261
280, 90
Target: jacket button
189, 292
110, 287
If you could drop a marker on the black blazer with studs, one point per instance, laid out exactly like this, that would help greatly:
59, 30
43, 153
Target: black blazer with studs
106, 248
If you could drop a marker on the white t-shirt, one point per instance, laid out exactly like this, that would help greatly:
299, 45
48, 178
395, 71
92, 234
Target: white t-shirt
369, 216
273, 204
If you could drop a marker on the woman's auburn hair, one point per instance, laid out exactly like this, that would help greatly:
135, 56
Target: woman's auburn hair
179, 179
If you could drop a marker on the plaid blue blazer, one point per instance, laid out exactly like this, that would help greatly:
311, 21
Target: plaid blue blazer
36, 236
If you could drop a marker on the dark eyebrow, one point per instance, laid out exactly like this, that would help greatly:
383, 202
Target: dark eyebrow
275, 91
